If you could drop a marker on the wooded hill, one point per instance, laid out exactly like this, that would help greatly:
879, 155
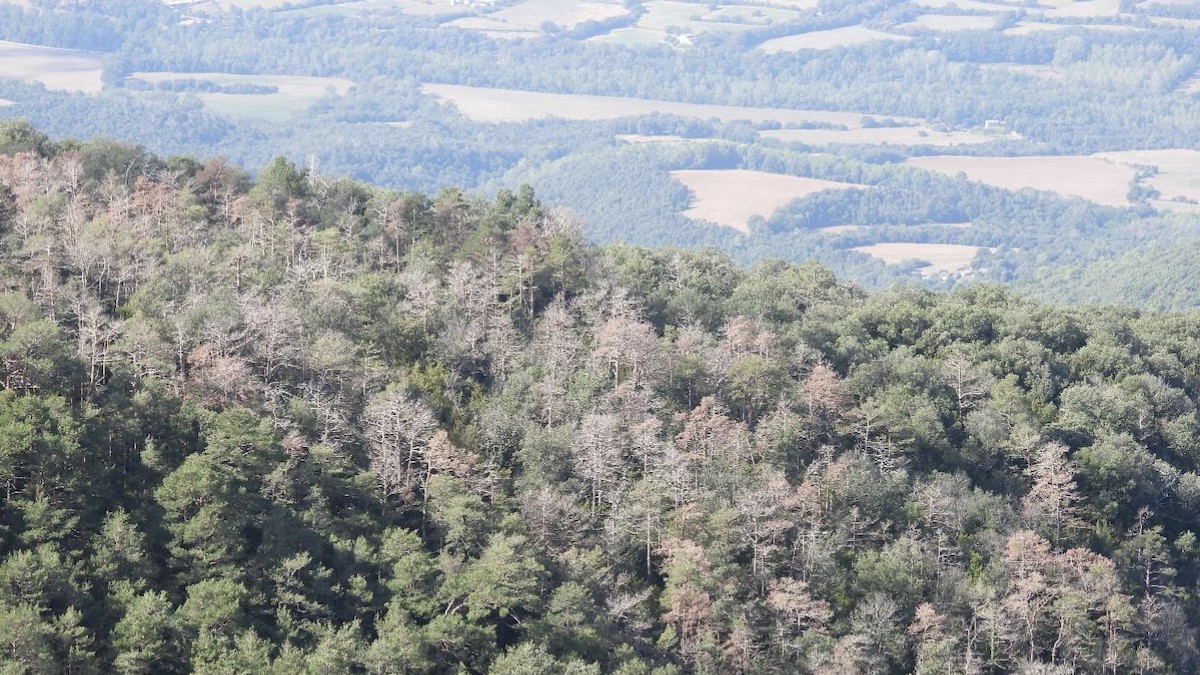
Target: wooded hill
303, 425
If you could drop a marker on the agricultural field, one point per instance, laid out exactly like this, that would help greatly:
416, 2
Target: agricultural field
971, 5
941, 259
1193, 24
949, 22
5, 102
295, 93
432, 8
702, 18
731, 197
1086, 9
642, 139
527, 18
1030, 27
828, 39
57, 69
1177, 178
1091, 178
483, 104
908, 136
670, 22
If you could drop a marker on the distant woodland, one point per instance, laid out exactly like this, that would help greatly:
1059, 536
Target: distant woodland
300, 424
1073, 86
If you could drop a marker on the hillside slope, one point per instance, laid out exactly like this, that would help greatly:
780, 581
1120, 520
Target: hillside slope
301, 425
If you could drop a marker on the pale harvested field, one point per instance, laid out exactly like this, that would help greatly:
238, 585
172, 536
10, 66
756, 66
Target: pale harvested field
788, 4
1090, 178
484, 104
58, 69
530, 15
633, 37
702, 18
433, 8
1193, 24
973, 5
1081, 10
877, 136
828, 39
671, 22
941, 258
1178, 171
840, 229
731, 197
1031, 27
639, 139
251, 4
1174, 207
949, 23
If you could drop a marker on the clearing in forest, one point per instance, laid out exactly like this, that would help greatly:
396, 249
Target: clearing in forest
731, 197
828, 39
949, 22
529, 17
1091, 178
941, 259
294, 93
484, 104
5, 102
57, 69
877, 136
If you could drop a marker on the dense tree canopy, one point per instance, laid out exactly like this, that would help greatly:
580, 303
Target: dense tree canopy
303, 424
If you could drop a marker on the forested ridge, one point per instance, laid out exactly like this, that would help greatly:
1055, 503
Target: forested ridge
299, 424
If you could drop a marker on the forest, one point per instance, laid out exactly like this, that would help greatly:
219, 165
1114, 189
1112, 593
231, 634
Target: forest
302, 424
